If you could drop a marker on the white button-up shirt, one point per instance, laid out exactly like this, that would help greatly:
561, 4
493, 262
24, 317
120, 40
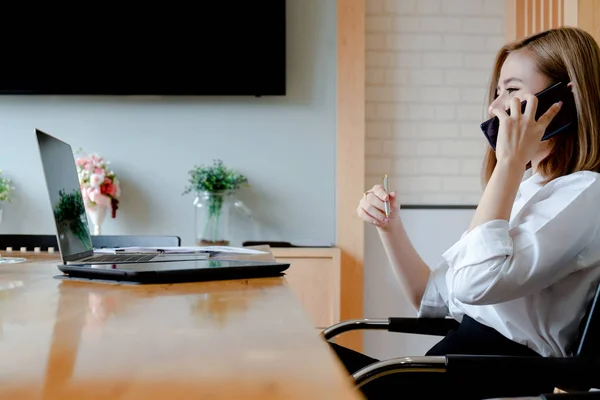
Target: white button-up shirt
532, 278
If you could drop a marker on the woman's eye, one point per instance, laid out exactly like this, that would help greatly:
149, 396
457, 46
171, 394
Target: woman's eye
510, 90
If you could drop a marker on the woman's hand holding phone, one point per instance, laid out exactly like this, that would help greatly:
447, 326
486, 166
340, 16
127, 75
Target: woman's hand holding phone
519, 134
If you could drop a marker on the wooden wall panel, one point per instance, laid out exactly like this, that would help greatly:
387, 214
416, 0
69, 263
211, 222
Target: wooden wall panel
526, 17
350, 175
588, 17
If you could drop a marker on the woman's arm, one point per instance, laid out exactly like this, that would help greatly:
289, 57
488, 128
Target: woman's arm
499, 195
407, 264
545, 241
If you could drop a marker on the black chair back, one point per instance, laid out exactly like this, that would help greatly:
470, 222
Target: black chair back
28, 241
588, 343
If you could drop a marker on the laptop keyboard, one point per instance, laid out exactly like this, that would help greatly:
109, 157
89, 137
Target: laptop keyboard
121, 258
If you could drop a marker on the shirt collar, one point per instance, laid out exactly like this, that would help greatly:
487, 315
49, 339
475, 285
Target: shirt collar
530, 184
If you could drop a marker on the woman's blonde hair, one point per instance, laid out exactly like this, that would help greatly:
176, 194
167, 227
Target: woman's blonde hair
569, 55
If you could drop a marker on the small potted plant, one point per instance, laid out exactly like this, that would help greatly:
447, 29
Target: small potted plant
214, 185
6, 189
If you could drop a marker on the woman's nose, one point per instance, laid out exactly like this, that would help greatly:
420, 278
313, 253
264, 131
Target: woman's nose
497, 103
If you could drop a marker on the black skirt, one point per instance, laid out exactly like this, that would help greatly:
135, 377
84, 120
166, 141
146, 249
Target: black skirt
471, 337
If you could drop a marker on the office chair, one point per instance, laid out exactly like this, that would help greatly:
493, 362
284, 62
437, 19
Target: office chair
578, 372
594, 395
28, 241
578, 395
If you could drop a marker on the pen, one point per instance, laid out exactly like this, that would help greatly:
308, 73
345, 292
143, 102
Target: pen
387, 202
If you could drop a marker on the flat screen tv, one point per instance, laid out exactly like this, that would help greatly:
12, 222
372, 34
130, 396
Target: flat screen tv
206, 48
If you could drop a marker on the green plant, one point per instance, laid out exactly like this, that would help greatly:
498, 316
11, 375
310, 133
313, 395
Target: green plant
6, 188
214, 178
70, 210
216, 181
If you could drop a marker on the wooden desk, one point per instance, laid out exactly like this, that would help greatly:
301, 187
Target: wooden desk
315, 278
243, 339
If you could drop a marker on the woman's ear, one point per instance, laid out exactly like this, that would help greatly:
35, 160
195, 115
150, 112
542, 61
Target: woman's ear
570, 84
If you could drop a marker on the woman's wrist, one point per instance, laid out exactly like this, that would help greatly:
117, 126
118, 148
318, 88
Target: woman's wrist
393, 223
512, 164
500, 192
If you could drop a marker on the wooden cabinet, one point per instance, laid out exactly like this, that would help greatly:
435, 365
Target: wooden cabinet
314, 276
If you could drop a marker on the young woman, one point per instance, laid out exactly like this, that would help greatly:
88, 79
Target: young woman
520, 278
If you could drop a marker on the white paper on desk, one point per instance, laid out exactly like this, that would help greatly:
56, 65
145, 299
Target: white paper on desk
178, 250
229, 249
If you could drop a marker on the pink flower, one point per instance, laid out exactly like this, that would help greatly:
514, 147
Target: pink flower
99, 198
96, 180
98, 188
93, 192
84, 194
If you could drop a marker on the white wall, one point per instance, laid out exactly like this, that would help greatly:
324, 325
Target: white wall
428, 66
285, 145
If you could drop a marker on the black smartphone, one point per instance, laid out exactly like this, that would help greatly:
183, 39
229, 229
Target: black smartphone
564, 121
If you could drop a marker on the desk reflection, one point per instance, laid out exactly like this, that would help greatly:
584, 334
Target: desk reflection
112, 329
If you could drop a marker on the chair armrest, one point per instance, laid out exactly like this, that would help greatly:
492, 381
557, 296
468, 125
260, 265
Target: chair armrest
557, 372
423, 326
420, 326
568, 373
435, 364
556, 396
572, 396
355, 324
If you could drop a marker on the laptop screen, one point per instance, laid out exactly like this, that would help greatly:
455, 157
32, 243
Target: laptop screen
65, 197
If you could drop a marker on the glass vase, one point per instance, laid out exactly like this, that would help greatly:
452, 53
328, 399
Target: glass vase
97, 214
212, 213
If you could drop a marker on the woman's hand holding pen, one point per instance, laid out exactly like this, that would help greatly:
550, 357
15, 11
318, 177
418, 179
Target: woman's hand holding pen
371, 207
408, 266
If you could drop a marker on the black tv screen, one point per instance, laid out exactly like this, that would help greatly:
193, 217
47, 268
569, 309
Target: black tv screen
225, 47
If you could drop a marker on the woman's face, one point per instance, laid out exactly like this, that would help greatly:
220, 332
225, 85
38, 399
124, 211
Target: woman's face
518, 77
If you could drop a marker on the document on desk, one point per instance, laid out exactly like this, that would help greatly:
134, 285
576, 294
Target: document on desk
210, 250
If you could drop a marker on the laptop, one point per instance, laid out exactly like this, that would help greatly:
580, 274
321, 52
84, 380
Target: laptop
72, 230
176, 271
75, 241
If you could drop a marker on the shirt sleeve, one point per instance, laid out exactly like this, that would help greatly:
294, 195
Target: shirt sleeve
498, 262
434, 303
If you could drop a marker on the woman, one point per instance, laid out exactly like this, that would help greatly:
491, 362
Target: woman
520, 277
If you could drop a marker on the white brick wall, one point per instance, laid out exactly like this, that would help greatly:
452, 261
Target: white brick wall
428, 65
